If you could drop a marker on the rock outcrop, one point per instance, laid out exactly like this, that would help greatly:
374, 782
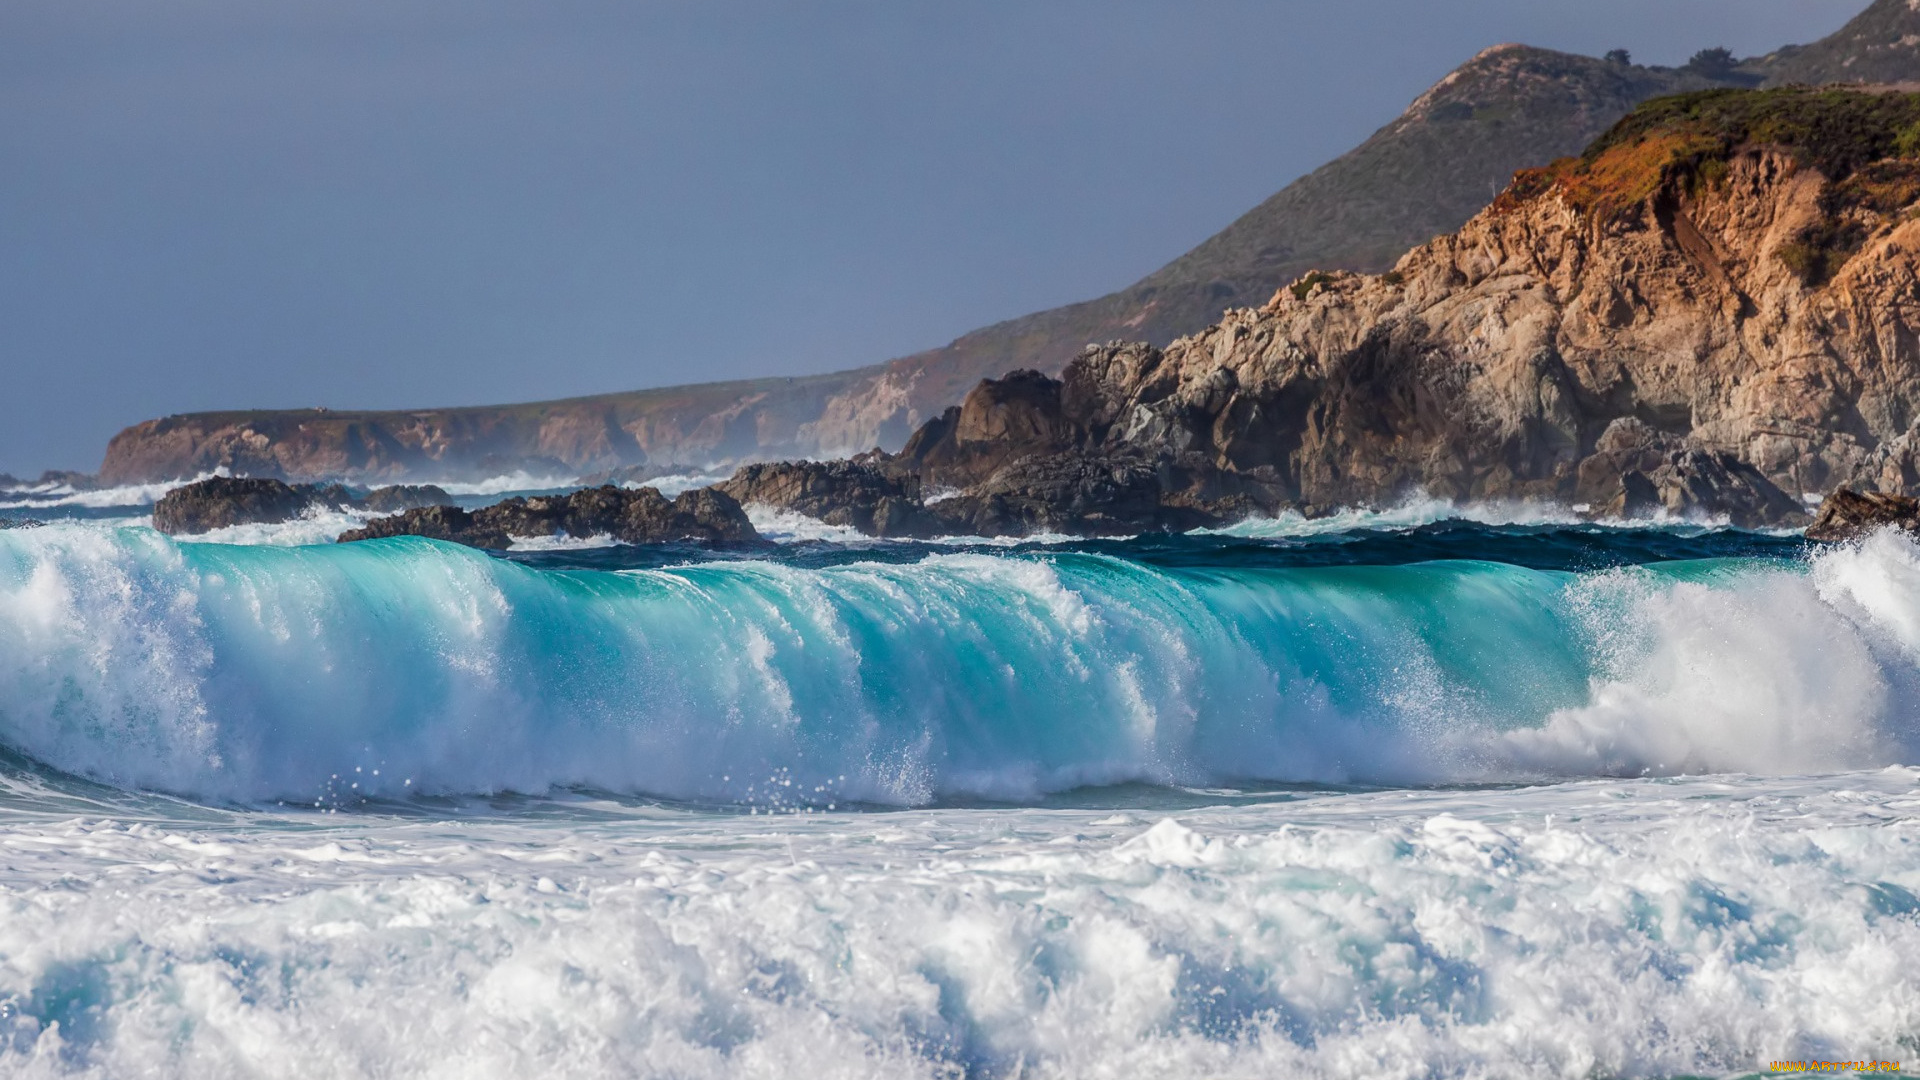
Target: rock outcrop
1848, 515
1714, 312
704, 515
222, 501
1426, 173
859, 493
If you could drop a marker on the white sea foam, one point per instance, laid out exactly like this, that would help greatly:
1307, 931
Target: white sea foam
318, 526
518, 480
1425, 510
671, 486
788, 526
48, 496
1640, 927
562, 542
1628, 928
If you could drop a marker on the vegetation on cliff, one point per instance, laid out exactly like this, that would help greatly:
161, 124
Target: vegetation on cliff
1865, 144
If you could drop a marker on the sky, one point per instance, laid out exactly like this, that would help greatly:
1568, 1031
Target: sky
217, 204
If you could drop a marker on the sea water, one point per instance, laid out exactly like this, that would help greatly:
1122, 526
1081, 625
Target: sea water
1488, 792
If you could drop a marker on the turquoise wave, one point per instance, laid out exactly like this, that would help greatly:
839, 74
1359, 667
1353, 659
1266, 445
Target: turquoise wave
411, 667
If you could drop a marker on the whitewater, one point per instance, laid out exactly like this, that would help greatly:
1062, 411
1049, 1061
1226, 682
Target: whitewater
1432, 792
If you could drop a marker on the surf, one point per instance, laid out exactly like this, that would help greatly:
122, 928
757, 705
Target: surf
409, 667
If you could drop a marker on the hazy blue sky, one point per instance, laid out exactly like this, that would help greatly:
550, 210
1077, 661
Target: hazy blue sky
235, 203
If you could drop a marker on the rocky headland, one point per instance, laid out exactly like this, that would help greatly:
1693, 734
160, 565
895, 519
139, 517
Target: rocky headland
1424, 174
1713, 312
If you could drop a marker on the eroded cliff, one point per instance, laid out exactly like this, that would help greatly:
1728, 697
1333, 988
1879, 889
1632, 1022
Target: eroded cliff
1425, 173
1713, 311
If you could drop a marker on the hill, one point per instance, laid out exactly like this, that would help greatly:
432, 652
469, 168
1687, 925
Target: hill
1711, 311
1880, 45
1423, 175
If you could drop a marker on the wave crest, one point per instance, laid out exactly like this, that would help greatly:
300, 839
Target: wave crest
254, 673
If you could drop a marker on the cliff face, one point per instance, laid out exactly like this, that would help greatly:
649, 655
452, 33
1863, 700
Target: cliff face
680, 427
1715, 310
1426, 173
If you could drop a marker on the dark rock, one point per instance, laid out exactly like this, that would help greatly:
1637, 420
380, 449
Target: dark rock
1848, 515
703, 514
1638, 471
1638, 498
1076, 493
20, 523
1000, 422
435, 523
858, 494
1013, 460
223, 501
392, 500
631, 517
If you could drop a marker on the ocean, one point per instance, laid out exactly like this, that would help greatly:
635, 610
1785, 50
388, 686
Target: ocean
1434, 791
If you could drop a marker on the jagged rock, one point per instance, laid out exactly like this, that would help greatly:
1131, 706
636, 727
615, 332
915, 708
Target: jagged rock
1847, 515
1638, 471
449, 523
859, 494
1000, 421
20, 523
1619, 331
1612, 316
1639, 498
1420, 176
222, 501
1719, 333
631, 517
398, 497
1075, 493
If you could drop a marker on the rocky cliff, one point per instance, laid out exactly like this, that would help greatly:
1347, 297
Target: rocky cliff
1715, 310
650, 431
1424, 174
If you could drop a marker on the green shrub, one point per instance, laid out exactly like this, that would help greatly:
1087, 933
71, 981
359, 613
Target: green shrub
1818, 252
1715, 63
1836, 131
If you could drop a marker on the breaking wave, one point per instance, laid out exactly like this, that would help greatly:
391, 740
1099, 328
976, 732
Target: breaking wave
406, 666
